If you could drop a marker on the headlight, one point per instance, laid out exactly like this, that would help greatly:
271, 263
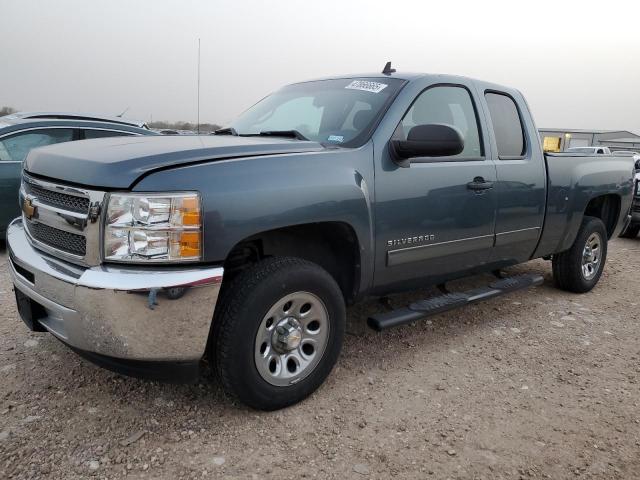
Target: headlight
638, 188
163, 227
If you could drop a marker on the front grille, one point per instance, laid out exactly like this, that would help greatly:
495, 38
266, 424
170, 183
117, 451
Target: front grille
57, 199
65, 241
636, 207
61, 223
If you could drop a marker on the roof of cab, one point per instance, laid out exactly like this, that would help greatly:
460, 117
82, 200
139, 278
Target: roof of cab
400, 76
414, 76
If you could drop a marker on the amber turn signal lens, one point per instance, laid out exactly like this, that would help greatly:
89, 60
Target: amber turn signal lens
190, 244
190, 211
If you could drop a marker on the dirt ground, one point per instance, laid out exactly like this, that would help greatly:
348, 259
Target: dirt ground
536, 384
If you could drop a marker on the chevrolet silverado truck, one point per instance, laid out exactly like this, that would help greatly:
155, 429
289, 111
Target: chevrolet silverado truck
148, 255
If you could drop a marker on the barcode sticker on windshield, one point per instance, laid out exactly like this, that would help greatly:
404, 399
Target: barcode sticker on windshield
367, 86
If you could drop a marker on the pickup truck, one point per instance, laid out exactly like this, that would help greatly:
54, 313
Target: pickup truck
150, 255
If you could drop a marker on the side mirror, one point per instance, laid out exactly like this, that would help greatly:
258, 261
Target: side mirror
434, 140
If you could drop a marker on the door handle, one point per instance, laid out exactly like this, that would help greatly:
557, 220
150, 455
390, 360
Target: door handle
479, 184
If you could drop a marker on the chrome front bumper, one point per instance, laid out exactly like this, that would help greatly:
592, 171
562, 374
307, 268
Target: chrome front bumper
130, 313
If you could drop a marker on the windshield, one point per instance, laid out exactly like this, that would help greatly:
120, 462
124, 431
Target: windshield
339, 112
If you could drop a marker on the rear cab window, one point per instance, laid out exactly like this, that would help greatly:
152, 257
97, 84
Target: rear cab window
507, 126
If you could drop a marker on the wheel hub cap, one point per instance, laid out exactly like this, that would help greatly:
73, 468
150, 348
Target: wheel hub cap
591, 256
287, 335
291, 339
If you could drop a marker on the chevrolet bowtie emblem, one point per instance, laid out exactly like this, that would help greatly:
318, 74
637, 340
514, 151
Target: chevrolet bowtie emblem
28, 208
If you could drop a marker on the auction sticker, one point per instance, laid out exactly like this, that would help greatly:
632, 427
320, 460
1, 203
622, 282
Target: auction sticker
367, 86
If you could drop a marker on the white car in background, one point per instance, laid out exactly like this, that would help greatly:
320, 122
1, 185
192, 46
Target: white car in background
594, 150
627, 153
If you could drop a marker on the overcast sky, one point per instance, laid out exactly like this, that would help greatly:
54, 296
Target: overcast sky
578, 63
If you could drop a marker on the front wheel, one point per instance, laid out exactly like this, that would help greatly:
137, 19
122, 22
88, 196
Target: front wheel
579, 268
279, 332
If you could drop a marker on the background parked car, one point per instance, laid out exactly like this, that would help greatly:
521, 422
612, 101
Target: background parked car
594, 150
626, 153
23, 131
171, 131
634, 225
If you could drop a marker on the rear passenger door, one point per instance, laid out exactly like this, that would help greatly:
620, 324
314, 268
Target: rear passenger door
521, 185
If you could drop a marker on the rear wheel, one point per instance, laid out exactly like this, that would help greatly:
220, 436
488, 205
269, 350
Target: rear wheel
279, 332
579, 268
631, 231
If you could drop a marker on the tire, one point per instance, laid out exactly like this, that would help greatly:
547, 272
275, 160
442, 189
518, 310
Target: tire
631, 231
568, 271
242, 329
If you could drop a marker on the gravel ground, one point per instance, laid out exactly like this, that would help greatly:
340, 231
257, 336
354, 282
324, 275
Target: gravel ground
537, 384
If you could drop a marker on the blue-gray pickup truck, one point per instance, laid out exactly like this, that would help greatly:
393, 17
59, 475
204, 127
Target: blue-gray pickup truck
148, 255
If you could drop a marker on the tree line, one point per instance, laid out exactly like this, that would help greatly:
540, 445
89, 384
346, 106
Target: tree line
164, 125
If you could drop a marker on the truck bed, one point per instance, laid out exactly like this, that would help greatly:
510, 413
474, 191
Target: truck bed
573, 180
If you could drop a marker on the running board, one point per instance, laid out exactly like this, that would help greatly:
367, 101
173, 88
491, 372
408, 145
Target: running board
450, 301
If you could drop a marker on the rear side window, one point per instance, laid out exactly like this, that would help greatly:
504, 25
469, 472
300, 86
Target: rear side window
88, 134
507, 125
16, 147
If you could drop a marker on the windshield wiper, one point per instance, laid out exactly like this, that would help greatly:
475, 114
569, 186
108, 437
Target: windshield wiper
280, 133
226, 131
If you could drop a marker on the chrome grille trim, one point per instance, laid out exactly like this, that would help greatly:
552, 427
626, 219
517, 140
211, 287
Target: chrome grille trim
63, 201
59, 227
59, 239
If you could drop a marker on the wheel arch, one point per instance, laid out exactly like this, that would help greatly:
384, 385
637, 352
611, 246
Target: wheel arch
333, 245
606, 208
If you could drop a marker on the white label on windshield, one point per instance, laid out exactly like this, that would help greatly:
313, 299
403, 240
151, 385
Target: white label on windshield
367, 86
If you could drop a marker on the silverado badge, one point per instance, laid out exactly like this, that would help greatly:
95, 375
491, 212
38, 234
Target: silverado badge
401, 242
28, 208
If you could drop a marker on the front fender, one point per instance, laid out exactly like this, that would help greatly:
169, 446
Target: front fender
245, 197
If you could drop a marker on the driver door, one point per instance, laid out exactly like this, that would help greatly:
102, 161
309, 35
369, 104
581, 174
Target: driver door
432, 224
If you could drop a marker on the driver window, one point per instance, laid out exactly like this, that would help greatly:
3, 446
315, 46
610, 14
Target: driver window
445, 105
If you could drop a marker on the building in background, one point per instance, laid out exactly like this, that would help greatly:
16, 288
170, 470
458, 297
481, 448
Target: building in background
559, 139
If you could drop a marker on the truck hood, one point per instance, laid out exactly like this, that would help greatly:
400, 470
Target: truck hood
117, 162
